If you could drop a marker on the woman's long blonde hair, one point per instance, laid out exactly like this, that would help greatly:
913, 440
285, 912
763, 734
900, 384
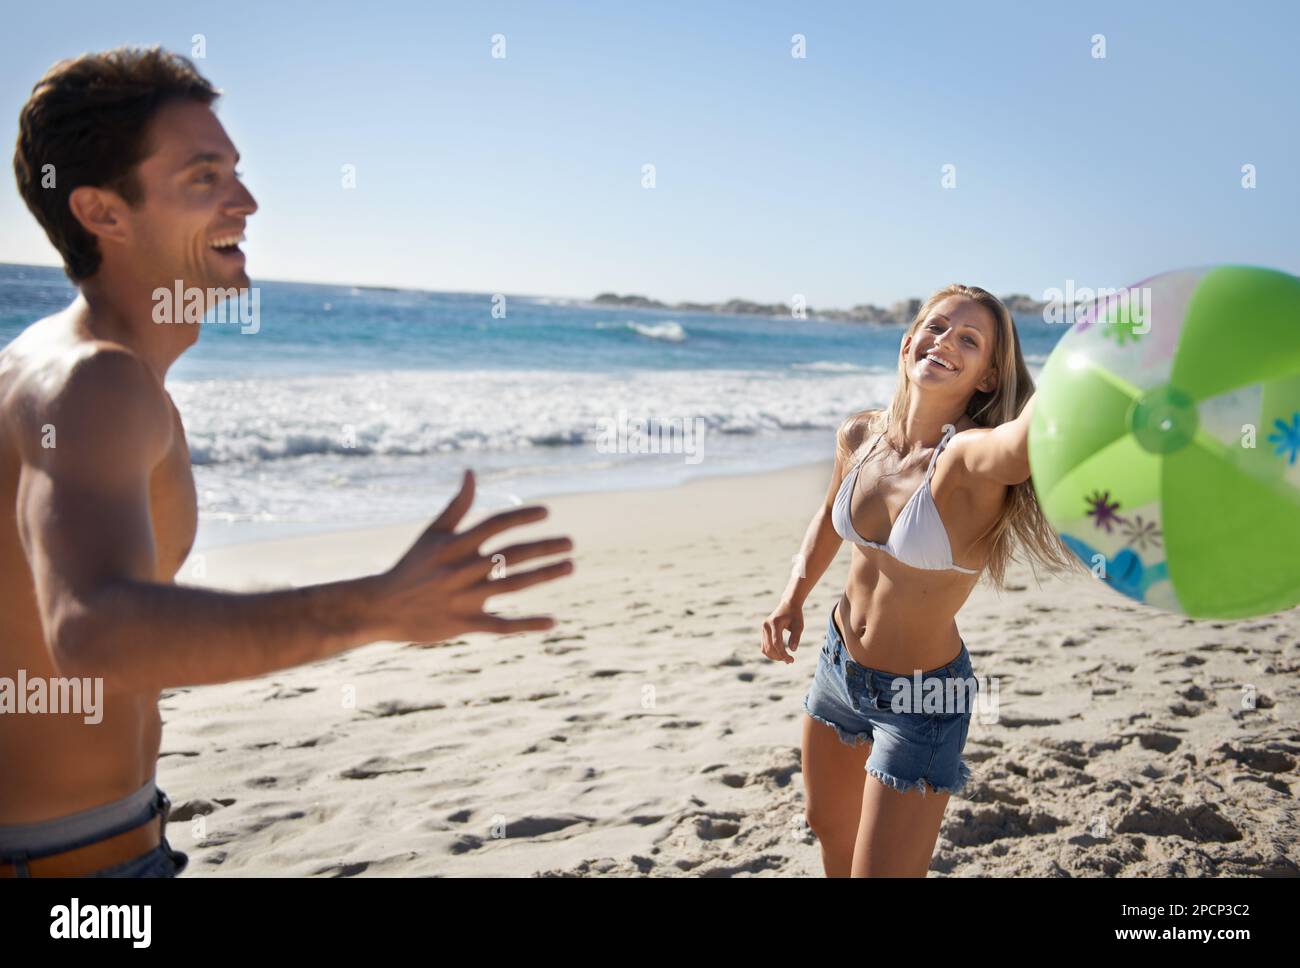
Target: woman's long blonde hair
1021, 524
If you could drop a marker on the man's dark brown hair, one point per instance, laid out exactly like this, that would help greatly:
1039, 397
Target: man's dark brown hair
89, 118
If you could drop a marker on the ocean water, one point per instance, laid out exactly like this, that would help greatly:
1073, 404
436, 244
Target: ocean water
353, 406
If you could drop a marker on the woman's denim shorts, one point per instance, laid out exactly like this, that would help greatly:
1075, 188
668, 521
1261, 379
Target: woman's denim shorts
917, 724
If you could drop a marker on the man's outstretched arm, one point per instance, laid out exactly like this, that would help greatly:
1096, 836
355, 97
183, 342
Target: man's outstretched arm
83, 509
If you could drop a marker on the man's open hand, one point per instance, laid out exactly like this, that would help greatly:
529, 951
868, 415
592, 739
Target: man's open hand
438, 589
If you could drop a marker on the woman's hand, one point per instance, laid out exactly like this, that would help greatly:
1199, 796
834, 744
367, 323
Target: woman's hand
787, 617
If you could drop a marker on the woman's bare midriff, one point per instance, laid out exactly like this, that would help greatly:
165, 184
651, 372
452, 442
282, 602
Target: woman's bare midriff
900, 619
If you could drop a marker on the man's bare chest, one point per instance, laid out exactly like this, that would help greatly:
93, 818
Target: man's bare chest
173, 507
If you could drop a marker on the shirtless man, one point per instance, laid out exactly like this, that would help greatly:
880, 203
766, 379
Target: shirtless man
100, 502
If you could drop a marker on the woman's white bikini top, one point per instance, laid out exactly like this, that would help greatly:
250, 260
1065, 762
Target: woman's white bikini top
918, 537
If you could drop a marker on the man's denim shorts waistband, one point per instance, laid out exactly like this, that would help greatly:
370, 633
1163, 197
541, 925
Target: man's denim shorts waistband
24, 841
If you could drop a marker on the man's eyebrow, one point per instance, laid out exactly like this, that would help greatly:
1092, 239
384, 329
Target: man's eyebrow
206, 157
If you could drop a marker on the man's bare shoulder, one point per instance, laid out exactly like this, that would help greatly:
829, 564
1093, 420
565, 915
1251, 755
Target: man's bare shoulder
96, 393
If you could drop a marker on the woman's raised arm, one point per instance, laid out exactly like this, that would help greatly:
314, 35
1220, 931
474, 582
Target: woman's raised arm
998, 453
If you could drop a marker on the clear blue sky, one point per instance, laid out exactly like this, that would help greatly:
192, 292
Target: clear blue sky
775, 175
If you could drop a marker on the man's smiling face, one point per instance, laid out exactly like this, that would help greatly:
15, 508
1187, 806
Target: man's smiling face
194, 207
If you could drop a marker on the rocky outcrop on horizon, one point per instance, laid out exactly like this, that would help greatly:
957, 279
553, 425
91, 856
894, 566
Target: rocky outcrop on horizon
899, 314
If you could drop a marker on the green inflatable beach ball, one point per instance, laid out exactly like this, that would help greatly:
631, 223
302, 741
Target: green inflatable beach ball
1165, 438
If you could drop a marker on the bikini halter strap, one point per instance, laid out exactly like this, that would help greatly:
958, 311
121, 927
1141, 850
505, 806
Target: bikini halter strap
947, 435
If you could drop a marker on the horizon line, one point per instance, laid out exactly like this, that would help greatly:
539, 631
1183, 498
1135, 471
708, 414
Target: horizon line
472, 292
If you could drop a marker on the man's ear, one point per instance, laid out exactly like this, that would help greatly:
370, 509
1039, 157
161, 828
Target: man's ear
99, 211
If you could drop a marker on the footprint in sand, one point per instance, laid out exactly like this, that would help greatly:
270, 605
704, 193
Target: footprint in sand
342, 870
720, 825
1264, 760
397, 707
763, 862
778, 776
546, 745
561, 649
1158, 742
1019, 722
608, 866
377, 766
488, 700
524, 827
314, 741
255, 827
1197, 822
982, 825
198, 807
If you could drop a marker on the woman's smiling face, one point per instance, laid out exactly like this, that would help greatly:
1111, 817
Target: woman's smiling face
952, 348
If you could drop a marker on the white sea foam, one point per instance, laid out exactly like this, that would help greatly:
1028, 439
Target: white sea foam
669, 331
831, 366
390, 445
431, 412
307, 448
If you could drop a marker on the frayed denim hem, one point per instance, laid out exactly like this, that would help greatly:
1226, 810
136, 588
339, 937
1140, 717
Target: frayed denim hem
903, 786
847, 738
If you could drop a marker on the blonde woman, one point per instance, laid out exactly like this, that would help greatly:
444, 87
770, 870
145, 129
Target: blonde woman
932, 492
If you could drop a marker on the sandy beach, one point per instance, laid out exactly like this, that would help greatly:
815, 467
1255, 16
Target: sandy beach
647, 735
